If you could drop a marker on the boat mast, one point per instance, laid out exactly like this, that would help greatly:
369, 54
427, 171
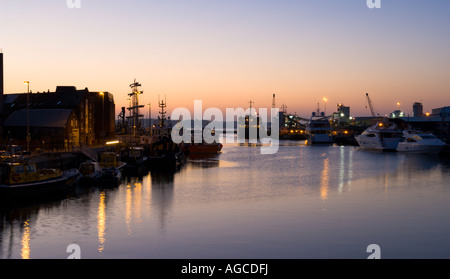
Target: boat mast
162, 119
134, 107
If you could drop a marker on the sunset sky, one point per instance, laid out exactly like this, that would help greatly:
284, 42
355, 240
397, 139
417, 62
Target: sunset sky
228, 52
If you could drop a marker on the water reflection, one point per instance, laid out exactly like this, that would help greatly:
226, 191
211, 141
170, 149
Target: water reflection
26, 250
132, 202
15, 229
203, 160
260, 186
101, 222
325, 182
162, 185
445, 163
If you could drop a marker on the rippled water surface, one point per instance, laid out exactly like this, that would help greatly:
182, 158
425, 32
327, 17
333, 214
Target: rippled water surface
303, 202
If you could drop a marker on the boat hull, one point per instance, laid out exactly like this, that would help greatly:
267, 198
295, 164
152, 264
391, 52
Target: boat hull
317, 139
136, 167
92, 178
111, 177
419, 148
376, 144
164, 162
205, 148
41, 188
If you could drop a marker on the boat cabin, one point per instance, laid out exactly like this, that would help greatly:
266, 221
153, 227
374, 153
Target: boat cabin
88, 168
18, 173
108, 160
132, 154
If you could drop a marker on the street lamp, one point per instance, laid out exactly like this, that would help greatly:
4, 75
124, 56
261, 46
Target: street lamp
325, 99
28, 115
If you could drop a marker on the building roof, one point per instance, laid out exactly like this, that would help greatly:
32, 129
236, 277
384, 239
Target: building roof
64, 97
50, 118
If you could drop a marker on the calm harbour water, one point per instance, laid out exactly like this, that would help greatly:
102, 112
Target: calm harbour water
303, 202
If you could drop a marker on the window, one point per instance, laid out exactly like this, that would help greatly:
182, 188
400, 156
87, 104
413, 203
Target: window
29, 168
18, 169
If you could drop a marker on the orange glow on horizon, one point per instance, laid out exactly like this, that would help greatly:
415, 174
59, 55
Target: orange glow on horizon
299, 50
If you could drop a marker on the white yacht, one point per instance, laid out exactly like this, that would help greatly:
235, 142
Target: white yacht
420, 142
383, 136
319, 129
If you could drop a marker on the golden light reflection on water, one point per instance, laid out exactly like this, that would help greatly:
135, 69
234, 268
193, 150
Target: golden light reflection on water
25, 252
137, 201
133, 204
101, 222
325, 181
128, 208
161, 202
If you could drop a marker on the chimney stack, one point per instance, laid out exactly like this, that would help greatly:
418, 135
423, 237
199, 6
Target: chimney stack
1, 93
1, 81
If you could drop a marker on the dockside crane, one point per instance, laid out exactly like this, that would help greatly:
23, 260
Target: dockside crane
372, 110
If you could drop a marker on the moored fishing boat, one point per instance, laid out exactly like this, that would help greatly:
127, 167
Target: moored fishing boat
110, 160
111, 177
90, 172
135, 159
24, 180
165, 154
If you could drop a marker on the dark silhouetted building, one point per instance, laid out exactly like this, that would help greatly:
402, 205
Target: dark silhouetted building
105, 111
65, 118
417, 110
2, 116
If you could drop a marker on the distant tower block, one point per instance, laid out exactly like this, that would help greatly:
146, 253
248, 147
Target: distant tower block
418, 109
273, 102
